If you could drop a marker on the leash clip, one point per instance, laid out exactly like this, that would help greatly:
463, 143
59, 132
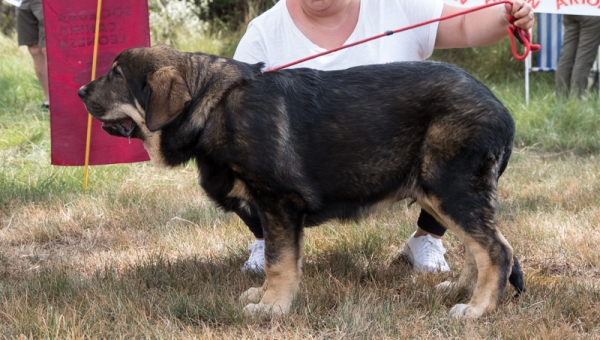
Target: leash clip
523, 37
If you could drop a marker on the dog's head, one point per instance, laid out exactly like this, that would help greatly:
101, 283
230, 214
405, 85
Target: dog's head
142, 89
148, 89
142, 92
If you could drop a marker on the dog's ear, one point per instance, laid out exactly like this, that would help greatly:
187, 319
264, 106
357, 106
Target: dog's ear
168, 95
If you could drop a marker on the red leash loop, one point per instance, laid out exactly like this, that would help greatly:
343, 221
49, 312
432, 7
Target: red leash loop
524, 38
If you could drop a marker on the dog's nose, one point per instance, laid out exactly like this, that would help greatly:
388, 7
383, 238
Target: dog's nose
82, 92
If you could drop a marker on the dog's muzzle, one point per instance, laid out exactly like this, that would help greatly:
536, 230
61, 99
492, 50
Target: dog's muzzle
122, 128
82, 93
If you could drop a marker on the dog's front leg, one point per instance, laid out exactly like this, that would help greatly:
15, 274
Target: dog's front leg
283, 256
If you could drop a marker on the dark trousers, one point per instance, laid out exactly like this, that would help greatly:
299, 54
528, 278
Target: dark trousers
579, 49
425, 222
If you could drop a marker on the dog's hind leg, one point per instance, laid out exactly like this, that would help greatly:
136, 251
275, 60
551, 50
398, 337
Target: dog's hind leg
493, 257
283, 260
489, 256
466, 206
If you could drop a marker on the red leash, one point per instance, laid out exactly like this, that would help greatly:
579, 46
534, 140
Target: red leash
514, 32
524, 38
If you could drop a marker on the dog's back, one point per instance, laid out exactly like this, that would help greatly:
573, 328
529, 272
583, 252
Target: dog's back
347, 139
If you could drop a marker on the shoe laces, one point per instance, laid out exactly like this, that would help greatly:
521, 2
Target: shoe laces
433, 250
256, 251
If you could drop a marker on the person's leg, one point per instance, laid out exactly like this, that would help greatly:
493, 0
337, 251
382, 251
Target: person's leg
256, 260
427, 225
38, 53
587, 49
567, 55
31, 33
424, 248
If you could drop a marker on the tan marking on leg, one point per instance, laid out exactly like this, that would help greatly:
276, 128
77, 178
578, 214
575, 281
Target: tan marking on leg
488, 289
486, 293
281, 286
468, 275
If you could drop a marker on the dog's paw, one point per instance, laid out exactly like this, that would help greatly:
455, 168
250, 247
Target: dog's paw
465, 311
252, 295
445, 287
259, 309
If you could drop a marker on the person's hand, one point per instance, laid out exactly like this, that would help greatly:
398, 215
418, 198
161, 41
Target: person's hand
522, 13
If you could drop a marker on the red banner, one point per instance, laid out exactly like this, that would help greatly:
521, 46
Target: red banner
70, 31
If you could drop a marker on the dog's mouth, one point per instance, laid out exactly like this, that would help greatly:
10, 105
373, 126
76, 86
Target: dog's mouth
121, 128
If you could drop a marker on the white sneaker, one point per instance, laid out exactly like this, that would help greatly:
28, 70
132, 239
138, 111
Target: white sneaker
426, 253
256, 262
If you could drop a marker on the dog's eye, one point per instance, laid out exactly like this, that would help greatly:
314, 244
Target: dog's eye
116, 74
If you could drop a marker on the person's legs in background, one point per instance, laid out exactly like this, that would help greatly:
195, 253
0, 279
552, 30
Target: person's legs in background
31, 33
587, 49
41, 69
568, 52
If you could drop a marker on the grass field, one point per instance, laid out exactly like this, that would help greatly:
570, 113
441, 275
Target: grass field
144, 254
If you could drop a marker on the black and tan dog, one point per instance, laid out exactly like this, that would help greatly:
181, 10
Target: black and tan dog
298, 147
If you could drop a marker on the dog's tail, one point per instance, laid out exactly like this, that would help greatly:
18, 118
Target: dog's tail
516, 277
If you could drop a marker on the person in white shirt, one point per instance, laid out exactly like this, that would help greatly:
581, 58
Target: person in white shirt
294, 29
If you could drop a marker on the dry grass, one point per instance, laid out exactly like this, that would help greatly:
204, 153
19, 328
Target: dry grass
151, 257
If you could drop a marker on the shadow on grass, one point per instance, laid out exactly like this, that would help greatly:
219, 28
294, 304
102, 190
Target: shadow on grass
192, 291
346, 286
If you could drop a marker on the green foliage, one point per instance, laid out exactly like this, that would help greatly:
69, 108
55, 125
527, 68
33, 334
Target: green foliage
490, 64
233, 12
171, 18
7, 17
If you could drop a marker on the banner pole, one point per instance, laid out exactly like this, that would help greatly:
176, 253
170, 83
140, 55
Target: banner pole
89, 123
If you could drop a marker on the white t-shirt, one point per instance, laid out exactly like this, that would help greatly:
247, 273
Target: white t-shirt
16, 3
274, 39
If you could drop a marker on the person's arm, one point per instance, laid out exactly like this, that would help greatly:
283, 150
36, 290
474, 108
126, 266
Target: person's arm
481, 28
